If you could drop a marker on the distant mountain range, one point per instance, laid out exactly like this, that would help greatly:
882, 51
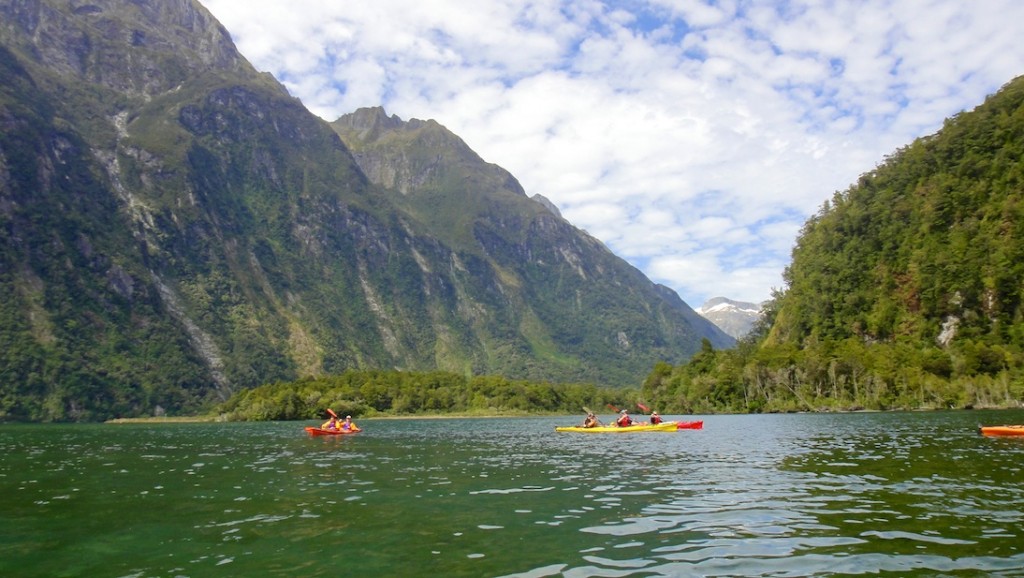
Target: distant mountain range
736, 318
174, 227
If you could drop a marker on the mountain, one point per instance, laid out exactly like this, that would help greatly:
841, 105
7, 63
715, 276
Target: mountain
736, 318
904, 292
175, 227
927, 248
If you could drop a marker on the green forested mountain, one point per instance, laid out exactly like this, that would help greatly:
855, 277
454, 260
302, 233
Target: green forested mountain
906, 290
174, 227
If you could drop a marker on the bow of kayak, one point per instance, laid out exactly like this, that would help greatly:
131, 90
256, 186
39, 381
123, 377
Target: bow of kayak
1002, 430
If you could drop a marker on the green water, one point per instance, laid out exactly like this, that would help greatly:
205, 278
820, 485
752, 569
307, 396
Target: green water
779, 495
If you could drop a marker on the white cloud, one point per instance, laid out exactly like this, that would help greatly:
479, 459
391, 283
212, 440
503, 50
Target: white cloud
694, 138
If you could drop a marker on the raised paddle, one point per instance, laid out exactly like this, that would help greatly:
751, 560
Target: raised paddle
331, 411
643, 407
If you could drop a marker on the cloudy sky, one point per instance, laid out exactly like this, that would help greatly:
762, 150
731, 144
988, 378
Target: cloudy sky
693, 137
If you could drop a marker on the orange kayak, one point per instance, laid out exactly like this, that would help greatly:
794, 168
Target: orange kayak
1002, 430
315, 431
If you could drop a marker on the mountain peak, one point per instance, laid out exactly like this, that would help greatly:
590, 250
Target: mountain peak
135, 48
370, 122
418, 155
547, 204
736, 318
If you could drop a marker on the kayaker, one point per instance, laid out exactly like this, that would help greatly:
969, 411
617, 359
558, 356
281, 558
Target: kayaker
655, 418
624, 420
347, 425
331, 424
591, 421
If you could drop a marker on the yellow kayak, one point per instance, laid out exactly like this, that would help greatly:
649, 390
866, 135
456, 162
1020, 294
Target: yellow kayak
666, 426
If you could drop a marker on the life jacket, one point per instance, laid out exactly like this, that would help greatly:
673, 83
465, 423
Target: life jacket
655, 419
624, 421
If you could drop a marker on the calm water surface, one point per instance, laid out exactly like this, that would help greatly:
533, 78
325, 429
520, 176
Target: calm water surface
907, 494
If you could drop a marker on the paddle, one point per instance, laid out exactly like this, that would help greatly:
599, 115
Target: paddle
331, 411
643, 407
615, 409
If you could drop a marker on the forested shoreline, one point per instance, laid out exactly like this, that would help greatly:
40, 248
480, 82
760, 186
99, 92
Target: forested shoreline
846, 375
741, 380
398, 393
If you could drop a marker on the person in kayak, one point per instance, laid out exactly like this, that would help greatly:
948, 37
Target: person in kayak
655, 418
331, 424
624, 420
591, 421
348, 425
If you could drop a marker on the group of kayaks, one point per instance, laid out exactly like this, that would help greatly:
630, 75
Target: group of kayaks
993, 430
324, 430
637, 427
640, 427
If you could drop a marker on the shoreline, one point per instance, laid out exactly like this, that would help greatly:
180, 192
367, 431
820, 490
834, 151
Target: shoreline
224, 419
165, 419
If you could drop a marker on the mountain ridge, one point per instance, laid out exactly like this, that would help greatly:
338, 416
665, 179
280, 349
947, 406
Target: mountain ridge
175, 227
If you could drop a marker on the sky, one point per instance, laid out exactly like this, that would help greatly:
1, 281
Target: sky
694, 138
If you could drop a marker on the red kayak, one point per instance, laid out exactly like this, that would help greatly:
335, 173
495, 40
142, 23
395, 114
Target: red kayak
315, 431
690, 424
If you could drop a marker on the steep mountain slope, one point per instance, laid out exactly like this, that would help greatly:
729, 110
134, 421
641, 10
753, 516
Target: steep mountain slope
174, 226
928, 247
904, 291
571, 301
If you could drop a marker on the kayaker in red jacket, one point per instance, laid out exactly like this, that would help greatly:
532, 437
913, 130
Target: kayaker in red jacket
655, 418
624, 420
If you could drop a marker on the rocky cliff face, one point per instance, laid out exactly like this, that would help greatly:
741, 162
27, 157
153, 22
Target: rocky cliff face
174, 227
132, 48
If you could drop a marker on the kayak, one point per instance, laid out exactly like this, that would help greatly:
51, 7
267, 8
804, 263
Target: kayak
1002, 430
315, 431
689, 424
666, 426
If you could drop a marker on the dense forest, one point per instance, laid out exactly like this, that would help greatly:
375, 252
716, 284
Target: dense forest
904, 292
397, 393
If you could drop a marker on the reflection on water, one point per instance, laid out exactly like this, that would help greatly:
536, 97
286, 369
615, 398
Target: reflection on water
781, 495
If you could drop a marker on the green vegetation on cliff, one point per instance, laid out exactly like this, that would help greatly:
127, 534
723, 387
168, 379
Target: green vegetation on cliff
905, 291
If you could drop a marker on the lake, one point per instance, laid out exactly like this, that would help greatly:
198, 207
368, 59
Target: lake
898, 494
